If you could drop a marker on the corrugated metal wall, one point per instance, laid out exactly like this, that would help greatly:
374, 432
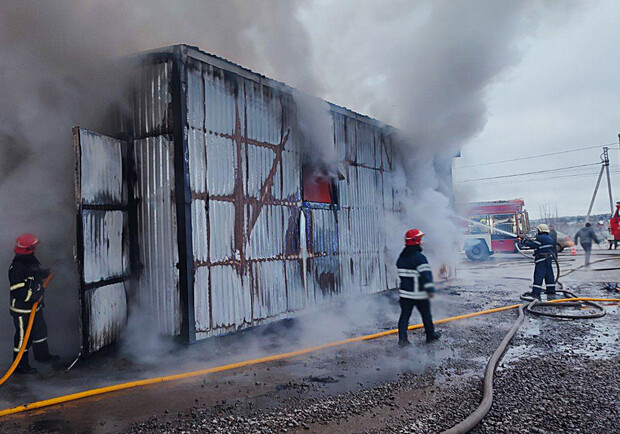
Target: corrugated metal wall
153, 154
259, 252
101, 196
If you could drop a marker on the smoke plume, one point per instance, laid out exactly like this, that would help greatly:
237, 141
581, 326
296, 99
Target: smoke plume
424, 67
57, 71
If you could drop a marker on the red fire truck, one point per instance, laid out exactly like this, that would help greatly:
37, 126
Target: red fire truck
493, 226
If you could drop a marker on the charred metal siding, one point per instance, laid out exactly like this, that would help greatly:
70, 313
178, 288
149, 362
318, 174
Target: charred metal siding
102, 219
154, 191
259, 252
221, 237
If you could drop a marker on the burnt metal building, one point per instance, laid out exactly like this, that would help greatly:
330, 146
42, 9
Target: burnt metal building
201, 212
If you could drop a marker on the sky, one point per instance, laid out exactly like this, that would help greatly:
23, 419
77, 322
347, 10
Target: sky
561, 93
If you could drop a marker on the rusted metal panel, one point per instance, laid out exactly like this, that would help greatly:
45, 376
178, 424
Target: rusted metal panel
222, 232
107, 313
365, 145
296, 292
195, 96
265, 163
231, 300
103, 244
267, 237
323, 277
153, 99
291, 179
101, 183
222, 156
200, 231
268, 288
197, 161
202, 300
158, 289
105, 250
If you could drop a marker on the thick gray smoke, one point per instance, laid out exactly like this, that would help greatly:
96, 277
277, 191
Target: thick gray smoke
317, 127
57, 72
424, 67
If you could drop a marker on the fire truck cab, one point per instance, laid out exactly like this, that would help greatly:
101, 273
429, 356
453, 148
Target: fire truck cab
493, 227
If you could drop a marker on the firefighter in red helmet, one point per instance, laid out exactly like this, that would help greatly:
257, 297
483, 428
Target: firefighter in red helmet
26, 278
416, 287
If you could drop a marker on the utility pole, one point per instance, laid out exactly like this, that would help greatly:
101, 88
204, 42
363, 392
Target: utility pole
604, 168
606, 164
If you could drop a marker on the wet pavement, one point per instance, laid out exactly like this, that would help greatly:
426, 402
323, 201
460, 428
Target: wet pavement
552, 367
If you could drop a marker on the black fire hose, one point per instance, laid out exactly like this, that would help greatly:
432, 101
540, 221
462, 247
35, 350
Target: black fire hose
531, 308
487, 395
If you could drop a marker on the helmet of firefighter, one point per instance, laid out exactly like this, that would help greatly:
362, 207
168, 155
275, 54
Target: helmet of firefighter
413, 237
26, 244
542, 228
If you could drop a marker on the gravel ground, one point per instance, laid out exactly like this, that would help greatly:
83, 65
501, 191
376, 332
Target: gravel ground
557, 376
556, 394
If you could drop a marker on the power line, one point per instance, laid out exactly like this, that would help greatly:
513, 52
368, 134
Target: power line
526, 173
535, 156
572, 176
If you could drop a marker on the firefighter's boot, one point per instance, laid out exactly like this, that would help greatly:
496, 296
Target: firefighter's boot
433, 337
404, 343
42, 352
24, 367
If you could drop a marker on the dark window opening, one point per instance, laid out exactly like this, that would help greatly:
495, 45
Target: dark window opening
318, 186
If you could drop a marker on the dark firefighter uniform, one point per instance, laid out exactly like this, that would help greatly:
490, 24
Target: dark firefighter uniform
544, 250
416, 283
26, 279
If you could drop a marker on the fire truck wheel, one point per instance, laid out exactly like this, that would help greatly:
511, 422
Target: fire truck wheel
478, 252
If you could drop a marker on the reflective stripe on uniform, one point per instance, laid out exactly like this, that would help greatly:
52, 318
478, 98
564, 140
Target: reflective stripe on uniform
429, 285
413, 295
38, 341
29, 295
537, 286
24, 311
17, 285
21, 331
406, 272
424, 267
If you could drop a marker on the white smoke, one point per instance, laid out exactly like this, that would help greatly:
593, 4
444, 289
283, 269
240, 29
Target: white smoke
424, 67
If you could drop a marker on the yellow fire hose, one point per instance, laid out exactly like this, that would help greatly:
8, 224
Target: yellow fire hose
228, 367
22, 349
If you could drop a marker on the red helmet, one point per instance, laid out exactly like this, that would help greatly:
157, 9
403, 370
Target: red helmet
413, 237
25, 244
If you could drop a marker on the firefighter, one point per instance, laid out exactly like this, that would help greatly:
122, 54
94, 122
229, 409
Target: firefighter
586, 235
543, 256
416, 287
26, 279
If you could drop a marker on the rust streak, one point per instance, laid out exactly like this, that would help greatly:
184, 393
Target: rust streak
238, 193
268, 183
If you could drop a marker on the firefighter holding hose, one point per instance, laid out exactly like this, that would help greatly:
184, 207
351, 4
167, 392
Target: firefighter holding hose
26, 279
544, 249
416, 287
